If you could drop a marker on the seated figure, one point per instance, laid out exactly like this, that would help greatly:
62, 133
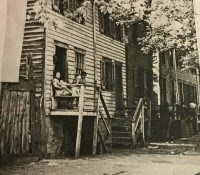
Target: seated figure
60, 87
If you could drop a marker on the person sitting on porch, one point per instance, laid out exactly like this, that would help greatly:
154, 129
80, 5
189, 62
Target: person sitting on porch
60, 87
83, 78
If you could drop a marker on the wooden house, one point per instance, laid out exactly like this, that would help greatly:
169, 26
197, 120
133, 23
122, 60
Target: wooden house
95, 46
173, 92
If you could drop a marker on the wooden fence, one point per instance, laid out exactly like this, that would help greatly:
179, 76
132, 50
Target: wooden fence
20, 119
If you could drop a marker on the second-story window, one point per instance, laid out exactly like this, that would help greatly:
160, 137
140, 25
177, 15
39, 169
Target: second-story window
79, 62
109, 27
162, 56
63, 6
107, 74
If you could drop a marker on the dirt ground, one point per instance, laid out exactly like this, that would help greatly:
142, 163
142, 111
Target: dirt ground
168, 158
113, 164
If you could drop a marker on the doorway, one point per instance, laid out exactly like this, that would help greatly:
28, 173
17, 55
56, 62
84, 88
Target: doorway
118, 86
60, 62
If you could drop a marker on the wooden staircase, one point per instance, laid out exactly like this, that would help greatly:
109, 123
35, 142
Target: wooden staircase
129, 131
121, 133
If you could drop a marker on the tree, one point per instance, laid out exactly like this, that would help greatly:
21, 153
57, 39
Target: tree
171, 24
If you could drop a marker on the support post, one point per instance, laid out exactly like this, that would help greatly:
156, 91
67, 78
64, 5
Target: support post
95, 136
80, 121
143, 134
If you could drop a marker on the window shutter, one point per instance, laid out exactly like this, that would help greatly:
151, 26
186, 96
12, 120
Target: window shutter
136, 82
145, 83
113, 77
101, 22
112, 29
103, 74
55, 5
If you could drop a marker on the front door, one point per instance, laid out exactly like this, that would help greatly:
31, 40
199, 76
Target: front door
118, 86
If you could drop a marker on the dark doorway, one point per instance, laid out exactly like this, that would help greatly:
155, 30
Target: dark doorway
118, 86
70, 133
60, 62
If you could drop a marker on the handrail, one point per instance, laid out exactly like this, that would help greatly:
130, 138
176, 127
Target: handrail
104, 104
107, 128
138, 118
135, 116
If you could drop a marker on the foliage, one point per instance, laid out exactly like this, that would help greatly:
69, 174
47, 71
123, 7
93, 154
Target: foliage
170, 24
41, 10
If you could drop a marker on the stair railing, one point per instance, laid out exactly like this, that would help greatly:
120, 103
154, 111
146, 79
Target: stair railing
104, 104
138, 122
100, 112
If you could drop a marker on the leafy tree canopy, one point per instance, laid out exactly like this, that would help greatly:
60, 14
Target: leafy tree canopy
170, 22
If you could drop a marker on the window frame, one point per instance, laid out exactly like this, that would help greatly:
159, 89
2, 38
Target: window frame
109, 27
79, 62
107, 74
68, 5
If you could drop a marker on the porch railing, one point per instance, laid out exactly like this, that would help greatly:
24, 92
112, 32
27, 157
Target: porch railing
105, 125
141, 114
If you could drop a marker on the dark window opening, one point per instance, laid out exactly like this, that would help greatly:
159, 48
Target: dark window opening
109, 27
79, 62
171, 58
180, 86
163, 91
60, 63
107, 75
65, 6
139, 83
149, 83
162, 57
173, 96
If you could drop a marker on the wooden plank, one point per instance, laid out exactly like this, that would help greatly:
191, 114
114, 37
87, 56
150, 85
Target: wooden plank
27, 124
6, 98
10, 116
32, 122
95, 136
80, 121
12, 122
104, 105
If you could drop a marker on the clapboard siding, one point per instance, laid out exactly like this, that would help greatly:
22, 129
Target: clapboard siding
186, 77
75, 35
33, 43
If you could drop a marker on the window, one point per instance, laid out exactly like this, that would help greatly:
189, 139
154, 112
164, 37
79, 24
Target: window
173, 95
162, 57
163, 91
171, 58
66, 5
107, 74
59, 61
180, 87
79, 62
109, 27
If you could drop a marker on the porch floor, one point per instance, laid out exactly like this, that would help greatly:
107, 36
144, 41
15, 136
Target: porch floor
72, 113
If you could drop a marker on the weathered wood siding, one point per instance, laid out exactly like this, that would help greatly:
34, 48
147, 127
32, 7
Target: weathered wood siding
33, 43
75, 35
186, 76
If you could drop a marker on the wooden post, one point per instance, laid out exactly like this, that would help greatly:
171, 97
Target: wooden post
95, 136
149, 120
142, 123
133, 135
80, 121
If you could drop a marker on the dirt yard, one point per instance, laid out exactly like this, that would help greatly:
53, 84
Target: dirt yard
168, 158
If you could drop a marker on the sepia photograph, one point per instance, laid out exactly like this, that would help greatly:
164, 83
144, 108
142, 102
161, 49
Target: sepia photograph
100, 87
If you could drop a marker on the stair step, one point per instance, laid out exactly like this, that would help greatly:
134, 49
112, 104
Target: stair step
122, 121
121, 134
121, 128
121, 139
124, 145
